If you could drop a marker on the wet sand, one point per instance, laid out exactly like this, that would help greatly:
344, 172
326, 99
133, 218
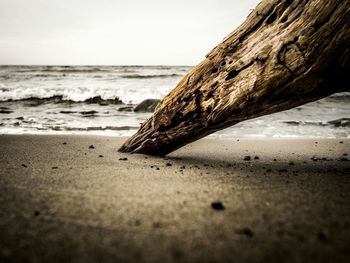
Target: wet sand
76, 199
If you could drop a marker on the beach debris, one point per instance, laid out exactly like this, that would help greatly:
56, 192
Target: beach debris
123, 159
245, 231
64, 143
168, 164
247, 158
25, 166
54, 167
322, 236
157, 225
256, 158
91, 147
217, 205
100, 156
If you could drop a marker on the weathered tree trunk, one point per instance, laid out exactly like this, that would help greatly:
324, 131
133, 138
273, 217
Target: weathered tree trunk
285, 54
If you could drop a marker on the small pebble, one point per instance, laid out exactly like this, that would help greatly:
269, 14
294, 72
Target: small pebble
168, 164
341, 142
256, 158
64, 143
217, 205
247, 158
157, 168
291, 163
123, 159
157, 225
245, 231
100, 156
322, 236
24, 165
91, 147
55, 167
36, 213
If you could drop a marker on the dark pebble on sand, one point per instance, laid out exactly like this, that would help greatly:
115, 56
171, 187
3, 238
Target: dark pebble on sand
100, 156
245, 231
168, 164
24, 165
344, 159
322, 236
123, 159
64, 143
217, 205
183, 167
247, 158
269, 170
282, 170
36, 213
157, 168
275, 160
345, 154
157, 225
91, 147
291, 163
55, 167
256, 158
341, 142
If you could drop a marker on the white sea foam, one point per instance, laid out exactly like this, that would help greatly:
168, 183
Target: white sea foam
22, 111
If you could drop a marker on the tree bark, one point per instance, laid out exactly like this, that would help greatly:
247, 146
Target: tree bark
285, 54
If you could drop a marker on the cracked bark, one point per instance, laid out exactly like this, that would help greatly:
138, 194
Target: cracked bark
285, 54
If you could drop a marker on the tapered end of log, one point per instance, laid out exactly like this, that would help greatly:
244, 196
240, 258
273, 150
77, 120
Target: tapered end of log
144, 141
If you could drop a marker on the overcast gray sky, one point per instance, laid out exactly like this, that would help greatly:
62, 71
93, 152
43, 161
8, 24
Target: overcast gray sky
116, 32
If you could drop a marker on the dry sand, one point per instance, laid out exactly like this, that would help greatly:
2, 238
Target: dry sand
64, 201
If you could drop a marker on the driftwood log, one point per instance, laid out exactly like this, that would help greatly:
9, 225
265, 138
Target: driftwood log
285, 54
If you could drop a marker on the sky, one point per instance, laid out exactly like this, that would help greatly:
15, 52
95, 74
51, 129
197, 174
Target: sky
115, 32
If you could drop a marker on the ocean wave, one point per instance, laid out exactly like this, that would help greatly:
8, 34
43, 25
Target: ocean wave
35, 101
137, 76
80, 129
342, 122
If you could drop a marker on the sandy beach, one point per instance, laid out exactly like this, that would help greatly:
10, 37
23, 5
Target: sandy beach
76, 199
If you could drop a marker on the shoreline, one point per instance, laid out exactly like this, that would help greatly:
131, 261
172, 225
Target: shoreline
63, 200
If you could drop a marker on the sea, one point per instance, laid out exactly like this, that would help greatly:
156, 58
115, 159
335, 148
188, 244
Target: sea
98, 100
